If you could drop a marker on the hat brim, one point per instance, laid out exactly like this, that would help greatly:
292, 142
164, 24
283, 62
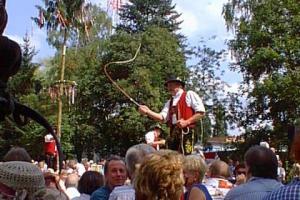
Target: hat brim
174, 81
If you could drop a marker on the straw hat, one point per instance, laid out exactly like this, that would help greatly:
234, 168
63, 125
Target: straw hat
20, 175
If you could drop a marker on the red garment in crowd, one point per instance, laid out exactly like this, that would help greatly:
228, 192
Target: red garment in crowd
50, 145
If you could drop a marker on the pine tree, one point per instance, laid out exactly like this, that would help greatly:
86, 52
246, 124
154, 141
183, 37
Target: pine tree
23, 83
137, 15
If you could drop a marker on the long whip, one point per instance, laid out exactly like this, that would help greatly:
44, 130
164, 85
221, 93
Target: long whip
114, 83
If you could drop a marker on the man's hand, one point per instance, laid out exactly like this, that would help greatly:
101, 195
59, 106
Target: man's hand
182, 123
240, 179
144, 109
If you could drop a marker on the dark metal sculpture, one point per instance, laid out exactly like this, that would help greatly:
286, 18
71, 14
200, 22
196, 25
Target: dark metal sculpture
10, 61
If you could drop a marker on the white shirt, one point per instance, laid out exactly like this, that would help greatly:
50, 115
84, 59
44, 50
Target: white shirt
218, 187
150, 137
83, 197
72, 192
192, 100
80, 169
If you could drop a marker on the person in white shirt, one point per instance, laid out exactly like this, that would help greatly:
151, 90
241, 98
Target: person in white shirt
71, 185
153, 139
216, 183
180, 113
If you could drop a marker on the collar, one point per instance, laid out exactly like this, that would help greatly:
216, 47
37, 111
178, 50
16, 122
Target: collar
254, 178
178, 94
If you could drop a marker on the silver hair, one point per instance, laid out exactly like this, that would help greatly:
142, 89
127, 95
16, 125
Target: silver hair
135, 155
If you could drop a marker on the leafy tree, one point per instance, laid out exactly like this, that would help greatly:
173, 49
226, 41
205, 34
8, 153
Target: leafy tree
266, 48
205, 78
140, 81
65, 17
25, 87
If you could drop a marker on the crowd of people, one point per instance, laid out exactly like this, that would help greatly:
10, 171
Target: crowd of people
148, 174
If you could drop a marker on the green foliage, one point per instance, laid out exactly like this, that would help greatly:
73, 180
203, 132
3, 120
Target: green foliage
24, 86
23, 82
266, 48
142, 79
102, 120
206, 79
138, 15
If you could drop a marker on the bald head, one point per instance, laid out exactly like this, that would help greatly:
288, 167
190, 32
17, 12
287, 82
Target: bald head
72, 180
219, 168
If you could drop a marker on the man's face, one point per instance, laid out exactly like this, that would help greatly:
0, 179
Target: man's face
173, 87
116, 175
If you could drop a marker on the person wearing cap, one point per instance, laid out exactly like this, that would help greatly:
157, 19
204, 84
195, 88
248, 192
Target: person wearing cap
153, 139
20, 180
180, 112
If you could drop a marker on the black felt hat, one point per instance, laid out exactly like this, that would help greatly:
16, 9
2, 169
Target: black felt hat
173, 78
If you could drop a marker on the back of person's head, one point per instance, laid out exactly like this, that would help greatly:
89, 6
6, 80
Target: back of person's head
160, 176
17, 154
90, 181
261, 162
51, 180
219, 169
295, 171
135, 155
72, 164
22, 176
50, 194
72, 180
195, 164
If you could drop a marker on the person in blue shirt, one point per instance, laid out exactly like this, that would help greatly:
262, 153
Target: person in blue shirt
290, 191
261, 172
115, 175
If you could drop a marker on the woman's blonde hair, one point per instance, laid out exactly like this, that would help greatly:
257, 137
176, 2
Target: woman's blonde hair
160, 177
195, 164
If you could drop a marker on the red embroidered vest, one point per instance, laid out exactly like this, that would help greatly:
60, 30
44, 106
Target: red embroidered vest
182, 110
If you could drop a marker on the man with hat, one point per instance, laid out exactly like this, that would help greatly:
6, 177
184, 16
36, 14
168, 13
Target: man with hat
181, 113
153, 139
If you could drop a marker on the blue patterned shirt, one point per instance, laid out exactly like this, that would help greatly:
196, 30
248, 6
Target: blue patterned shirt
287, 192
256, 188
125, 192
101, 194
